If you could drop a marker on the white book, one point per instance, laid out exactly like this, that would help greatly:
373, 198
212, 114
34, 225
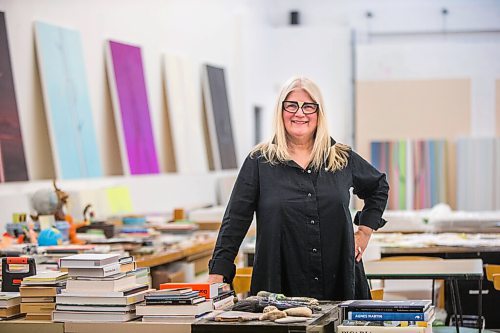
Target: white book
174, 310
224, 303
89, 260
8, 299
92, 286
102, 271
102, 278
101, 300
96, 308
74, 316
100, 293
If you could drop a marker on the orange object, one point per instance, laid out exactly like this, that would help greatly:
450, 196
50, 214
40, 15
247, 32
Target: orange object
17, 260
179, 214
242, 280
73, 226
206, 290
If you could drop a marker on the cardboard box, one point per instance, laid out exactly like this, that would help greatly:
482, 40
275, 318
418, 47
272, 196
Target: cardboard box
159, 276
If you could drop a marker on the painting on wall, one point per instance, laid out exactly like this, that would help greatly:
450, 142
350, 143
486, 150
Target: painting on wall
218, 117
67, 102
131, 108
12, 158
183, 92
417, 171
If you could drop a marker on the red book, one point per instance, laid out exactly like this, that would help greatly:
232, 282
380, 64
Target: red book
206, 290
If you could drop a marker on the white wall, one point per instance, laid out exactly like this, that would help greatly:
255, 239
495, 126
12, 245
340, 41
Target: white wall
445, 60
251, 39
204, 30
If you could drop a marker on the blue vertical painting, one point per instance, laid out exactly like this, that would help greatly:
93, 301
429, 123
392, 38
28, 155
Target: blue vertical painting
67, 102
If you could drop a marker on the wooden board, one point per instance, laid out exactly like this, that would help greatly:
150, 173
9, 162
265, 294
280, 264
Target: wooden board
131, 108
67, 102
183, 91
219, 118
12, 158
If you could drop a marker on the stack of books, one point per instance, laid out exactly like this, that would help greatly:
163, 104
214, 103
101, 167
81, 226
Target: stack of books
408, 316
9, 305
38, 294
100, 288
220, 294
185, 302
177, 305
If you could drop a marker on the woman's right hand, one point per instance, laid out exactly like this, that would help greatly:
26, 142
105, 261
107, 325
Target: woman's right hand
215, 278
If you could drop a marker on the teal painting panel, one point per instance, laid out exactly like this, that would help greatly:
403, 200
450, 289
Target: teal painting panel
67, 102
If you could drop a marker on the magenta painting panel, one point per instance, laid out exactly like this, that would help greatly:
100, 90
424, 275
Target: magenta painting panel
130, 103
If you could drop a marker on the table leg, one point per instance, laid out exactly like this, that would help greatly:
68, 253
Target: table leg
459, 303
433, 283
480, 306
454, 304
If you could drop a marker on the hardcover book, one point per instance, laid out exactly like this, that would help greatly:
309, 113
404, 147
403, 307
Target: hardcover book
100, 300
382, 306
102, 271
206, 290
174, 310
90, 260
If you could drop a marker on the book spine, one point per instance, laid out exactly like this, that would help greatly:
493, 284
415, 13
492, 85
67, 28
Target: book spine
169, 302
206, 290
387, 316
382, 309
387, 323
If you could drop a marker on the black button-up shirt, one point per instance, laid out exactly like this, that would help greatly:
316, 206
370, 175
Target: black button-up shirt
305, 242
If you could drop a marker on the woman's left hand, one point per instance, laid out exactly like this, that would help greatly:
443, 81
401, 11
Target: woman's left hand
361, 238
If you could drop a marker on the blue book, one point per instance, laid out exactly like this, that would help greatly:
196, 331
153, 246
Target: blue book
385, 316
386, 306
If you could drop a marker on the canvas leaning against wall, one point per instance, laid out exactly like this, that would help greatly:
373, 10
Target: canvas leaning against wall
12, 158
131, 108
183, 93
67, 102
218, 116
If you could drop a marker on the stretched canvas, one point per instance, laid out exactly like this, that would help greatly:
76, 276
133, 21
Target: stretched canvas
67, 102
12, 158
218, 117
183, 91
131, 108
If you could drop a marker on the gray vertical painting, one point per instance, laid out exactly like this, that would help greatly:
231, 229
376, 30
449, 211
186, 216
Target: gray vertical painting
218, 107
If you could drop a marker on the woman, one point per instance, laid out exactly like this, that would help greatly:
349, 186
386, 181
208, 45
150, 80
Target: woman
298, 186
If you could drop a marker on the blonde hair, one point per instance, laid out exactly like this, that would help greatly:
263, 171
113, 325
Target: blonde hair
323, 153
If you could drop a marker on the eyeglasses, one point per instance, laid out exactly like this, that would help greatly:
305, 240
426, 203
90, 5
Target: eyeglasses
307, 107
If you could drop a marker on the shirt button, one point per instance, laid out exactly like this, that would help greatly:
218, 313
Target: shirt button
312, 222
309, 171
309, 194
315, 250
316, 278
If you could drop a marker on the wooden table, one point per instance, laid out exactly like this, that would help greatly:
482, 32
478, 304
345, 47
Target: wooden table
174, 255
